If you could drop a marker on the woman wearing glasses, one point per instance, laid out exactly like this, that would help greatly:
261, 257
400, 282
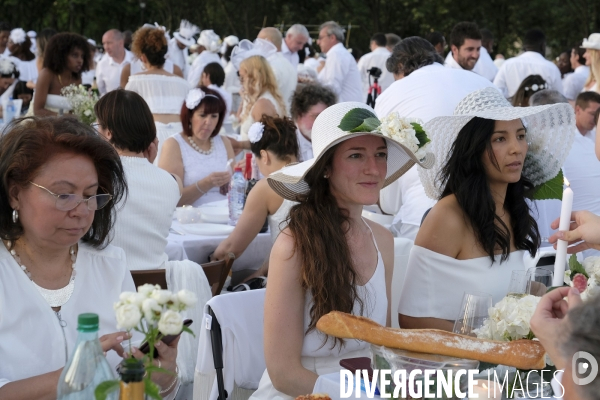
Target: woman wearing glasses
59, 182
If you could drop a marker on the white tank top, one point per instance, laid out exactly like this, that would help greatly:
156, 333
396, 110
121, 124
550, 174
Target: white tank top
375, 304
198, 166
137, 66
277, 220
249, 120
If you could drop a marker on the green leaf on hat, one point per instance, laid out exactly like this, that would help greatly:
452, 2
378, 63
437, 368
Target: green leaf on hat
420, 134
576, 267
551, 189
359, 120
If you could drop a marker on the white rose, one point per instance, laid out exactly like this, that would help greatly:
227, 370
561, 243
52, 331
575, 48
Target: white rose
128, 316
186, 297
161, 296
151, 309
132, 298
147, 289
591, 264
170, 323
87, 113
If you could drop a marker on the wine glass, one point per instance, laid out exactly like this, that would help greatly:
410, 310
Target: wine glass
519, 284
473, 311
539, 280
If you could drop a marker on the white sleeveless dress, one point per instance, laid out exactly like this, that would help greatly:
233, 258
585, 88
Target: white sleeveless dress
277, 221
55, 103
323, 359
249, 120
434, 284
198, 166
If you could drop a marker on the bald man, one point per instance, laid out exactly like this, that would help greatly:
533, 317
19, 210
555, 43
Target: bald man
108, 70
285, 73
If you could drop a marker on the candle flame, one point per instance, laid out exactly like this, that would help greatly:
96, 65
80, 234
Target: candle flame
566, 181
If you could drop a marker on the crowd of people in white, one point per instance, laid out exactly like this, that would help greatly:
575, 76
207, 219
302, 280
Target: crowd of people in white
174, 110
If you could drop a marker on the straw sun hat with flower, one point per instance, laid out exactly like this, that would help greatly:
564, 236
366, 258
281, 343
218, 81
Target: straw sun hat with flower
407, 144
550, 134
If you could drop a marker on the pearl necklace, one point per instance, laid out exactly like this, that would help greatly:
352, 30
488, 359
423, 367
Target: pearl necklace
198, 149
54, 298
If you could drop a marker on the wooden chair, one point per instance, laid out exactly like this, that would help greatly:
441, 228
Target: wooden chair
216, 272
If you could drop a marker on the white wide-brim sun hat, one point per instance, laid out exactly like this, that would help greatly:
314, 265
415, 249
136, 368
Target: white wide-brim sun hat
289, 182
592, 42
183, 40
550, 133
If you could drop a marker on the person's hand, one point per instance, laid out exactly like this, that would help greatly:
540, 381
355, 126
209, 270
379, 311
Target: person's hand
224, 189
537, 289
112, 341
167, 359
548, 321
152, 150
218, 179
585, 230
321, 65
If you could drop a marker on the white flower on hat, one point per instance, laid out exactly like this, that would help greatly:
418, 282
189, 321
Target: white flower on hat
255, 132
404, 131
193, 98
6, 67
17, 36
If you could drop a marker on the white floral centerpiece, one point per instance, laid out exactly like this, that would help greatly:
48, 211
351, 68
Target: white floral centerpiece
509, 319
82, 101
584, 276
154, 312
408, 132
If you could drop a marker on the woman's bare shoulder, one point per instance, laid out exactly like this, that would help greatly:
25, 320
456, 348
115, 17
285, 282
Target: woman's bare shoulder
444, 229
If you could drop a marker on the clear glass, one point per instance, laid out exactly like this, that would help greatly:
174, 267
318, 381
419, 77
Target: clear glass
519, 284
473, 311
539, 280
86, 369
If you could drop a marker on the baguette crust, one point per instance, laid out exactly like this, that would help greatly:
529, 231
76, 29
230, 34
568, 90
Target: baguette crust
522, 354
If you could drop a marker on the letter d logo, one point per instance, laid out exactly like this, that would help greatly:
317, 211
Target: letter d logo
583, 367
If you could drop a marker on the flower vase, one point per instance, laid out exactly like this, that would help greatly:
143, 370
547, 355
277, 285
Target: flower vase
132, 373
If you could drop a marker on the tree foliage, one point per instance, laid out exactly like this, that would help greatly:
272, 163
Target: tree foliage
565, 22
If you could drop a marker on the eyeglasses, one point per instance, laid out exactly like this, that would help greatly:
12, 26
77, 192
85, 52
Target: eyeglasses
67, 202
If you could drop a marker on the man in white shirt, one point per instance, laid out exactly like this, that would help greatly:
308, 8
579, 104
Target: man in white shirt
295, 39
308, 102
586, 105
467, 51
339, 70
424, 90
531, 62
108, 70
391, 40
285, 73
376, 58
574, 82
178, 45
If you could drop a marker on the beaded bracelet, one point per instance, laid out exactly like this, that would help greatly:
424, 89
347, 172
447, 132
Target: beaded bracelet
200, 190
175, 380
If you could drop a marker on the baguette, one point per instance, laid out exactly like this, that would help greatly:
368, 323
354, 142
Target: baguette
522, 354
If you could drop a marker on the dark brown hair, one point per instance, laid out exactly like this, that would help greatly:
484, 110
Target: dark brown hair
211, 105
152, 43
22, 51
31, 142
521, 97
319, 227
58, 48
310, 95
128, 118
279, 137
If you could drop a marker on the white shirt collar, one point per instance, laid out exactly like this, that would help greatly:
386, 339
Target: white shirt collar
582, 68
284, 48
127, 58
336, 47
381, 50
532, 54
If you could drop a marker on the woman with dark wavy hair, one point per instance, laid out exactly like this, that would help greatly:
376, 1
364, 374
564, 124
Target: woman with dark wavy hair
67, 56
489, 155
329, 258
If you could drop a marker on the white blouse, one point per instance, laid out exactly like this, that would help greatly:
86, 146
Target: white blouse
434, 284
164, 94
32, 341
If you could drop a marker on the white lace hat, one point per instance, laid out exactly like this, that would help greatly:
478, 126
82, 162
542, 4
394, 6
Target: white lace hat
593, 42
289, 182
550, 134
246, 49
210, 40
186, 33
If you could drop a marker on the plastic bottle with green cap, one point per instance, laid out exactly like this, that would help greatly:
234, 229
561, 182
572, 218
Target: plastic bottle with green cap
87, 366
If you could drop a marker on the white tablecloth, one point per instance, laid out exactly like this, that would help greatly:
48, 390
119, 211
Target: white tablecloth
197, 248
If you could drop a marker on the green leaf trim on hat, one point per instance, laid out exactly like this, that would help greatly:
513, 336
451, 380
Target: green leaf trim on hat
359, 120
549, 190
420, 134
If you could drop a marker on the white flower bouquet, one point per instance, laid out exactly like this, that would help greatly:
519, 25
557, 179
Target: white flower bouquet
82, 101
407, 131
584, 276
154, 312
509, 319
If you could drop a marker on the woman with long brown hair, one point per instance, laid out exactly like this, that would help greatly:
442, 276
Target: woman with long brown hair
329, 258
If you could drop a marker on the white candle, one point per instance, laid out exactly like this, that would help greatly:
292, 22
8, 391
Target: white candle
561, 246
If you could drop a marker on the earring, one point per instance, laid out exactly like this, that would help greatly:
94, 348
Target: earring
325, 176
15, 216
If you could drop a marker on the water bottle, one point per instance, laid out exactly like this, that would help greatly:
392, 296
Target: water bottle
87, 367
236, 196
9, 111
